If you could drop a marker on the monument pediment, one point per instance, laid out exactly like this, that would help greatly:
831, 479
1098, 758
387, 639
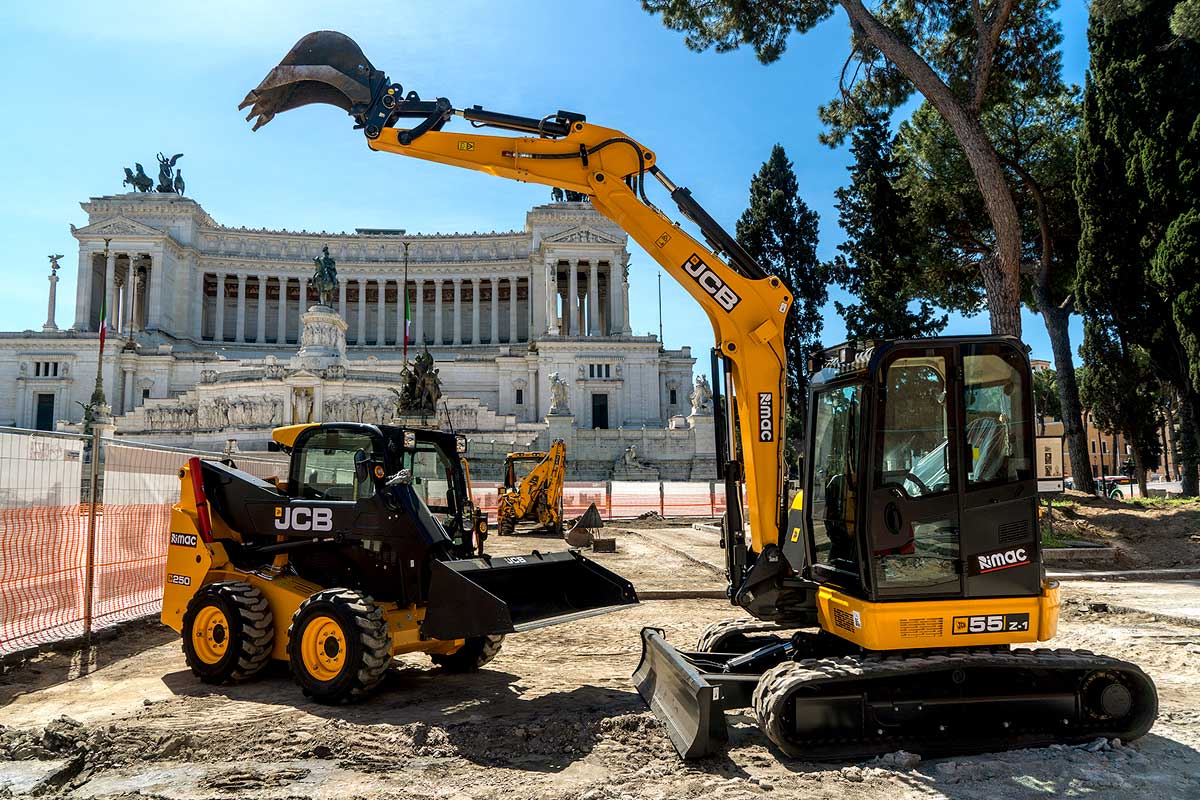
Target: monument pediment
117, 226
582, 234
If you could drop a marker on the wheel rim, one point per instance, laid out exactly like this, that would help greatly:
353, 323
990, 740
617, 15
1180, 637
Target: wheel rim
210, 634
323, 648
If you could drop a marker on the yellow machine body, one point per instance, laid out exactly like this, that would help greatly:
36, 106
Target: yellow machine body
537, 496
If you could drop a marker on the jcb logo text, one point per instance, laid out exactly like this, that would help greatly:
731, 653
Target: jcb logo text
303, 518
711, 282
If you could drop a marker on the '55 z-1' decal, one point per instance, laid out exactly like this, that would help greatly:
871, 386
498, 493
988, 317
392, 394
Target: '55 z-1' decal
990, 623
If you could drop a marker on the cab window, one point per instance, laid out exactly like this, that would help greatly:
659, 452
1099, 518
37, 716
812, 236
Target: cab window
914, 432
996, 418
835, 477
433, 477
327, 466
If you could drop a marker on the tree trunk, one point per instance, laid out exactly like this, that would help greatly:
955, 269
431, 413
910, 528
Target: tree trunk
1001, 273
1167, 425
1057, 321
1139, 471
1189, 444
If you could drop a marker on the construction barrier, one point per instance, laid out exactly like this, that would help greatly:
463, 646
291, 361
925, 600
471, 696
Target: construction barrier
629, 499
46, 517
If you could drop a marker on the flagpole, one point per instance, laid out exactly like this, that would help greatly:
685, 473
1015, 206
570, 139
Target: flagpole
405, 243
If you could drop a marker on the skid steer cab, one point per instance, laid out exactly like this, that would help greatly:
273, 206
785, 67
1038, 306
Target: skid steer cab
370, 548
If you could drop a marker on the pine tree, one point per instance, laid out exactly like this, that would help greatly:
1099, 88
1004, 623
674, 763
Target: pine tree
780, 232
881, 261
1138, 184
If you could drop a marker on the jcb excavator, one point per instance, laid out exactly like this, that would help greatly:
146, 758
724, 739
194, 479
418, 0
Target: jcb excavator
886, 597
370, 549
536, 495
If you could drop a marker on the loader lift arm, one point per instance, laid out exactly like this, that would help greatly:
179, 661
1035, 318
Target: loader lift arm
746, 308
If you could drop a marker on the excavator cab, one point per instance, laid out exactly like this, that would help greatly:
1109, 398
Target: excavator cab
929, 445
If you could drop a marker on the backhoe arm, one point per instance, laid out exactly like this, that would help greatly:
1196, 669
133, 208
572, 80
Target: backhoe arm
746, 308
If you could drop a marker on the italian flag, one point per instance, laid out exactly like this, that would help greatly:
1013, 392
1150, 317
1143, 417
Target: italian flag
103, 323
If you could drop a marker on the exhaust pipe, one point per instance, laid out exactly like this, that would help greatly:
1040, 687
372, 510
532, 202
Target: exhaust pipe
323, 67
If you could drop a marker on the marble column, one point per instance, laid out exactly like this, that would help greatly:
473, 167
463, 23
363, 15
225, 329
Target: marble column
110, 287
457, 311
401, 296
573, 299
474, 310
198, 305
281, 322
381, 336
361, 336
512, 310
239, 332
342, 298
437, 312
593, 300
83, 290
129, 302
419, 328
495, 329
127, 401
50, 323
260, 329
219, 327
552, 298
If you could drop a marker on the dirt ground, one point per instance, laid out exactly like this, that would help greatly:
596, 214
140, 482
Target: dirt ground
1150, 533
554, 716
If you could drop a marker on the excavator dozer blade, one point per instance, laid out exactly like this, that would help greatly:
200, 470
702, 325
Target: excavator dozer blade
680, 696
509, 594
323, 67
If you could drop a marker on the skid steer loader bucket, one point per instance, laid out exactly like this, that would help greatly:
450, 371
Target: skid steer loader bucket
323, 67
509, 594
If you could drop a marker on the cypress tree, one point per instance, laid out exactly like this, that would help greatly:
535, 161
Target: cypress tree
780, 231
881, 258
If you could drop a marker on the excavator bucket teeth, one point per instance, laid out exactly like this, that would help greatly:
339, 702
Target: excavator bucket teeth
323, 67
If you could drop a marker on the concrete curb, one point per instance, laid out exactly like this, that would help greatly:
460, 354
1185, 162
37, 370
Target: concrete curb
1188, 573
683, 594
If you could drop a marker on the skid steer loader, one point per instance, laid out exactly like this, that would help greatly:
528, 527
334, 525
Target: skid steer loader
370, 549
537, 495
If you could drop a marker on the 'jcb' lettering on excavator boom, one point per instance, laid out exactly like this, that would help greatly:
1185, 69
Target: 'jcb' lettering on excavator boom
711, 282
303, 518
766, 417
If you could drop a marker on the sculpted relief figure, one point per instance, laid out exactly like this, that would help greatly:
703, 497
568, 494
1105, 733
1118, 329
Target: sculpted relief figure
559, 396
702, 397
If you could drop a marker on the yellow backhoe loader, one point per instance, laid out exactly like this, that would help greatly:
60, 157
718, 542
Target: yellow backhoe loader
537, 494
370, 549
887, 597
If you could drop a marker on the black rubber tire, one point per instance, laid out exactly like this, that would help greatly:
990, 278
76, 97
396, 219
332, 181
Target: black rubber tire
478, 651
368, 647
251, 632
506, 527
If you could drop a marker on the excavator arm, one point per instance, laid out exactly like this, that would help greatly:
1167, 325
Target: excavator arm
746, 308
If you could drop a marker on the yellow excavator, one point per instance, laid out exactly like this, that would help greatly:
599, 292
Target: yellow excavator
537, 495
885, 600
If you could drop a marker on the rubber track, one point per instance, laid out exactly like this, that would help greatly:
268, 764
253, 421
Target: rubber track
717, 631
777, 684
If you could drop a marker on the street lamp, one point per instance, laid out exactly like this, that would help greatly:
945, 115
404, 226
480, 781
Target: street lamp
98, 401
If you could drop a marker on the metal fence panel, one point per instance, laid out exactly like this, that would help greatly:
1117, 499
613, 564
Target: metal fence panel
687, 499
42, 539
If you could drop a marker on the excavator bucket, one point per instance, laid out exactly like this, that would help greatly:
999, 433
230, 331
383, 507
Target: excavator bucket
509, 594
323, 67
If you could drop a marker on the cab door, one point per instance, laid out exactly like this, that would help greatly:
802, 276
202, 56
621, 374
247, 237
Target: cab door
914, 536
999, 495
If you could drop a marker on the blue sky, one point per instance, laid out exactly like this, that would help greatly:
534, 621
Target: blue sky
94, 87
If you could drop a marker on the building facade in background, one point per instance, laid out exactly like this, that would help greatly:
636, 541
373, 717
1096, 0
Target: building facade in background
206, 329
